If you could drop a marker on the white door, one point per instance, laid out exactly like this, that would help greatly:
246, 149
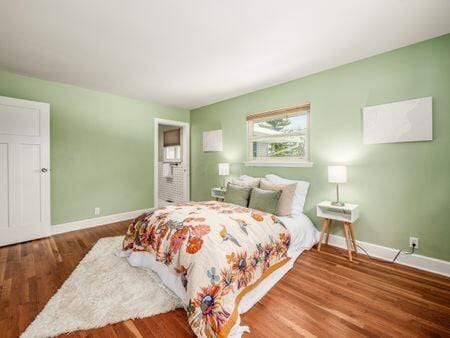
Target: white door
24, 170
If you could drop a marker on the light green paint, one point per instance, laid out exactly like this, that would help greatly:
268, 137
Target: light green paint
101, 146
403, 189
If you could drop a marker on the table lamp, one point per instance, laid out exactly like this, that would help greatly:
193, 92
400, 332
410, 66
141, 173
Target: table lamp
337, 174
224, 170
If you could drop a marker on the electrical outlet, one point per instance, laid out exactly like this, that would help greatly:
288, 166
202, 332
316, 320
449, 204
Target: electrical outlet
414, 240
97, 211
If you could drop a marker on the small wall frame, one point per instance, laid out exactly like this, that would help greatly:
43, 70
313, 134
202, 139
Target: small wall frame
212, 140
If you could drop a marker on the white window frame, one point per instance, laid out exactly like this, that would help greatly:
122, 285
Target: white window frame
172, 160
279, 161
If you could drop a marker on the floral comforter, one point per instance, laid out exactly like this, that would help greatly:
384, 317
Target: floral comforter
221, 251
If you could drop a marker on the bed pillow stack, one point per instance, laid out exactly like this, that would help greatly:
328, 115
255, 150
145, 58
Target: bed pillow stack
301, 191
290, 201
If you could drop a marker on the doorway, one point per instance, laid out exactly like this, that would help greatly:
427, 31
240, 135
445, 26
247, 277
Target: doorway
171, 162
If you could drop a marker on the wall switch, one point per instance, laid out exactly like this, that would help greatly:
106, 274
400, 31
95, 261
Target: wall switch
414, 240
97, 211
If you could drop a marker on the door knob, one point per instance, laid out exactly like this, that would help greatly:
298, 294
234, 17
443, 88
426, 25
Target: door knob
44, 170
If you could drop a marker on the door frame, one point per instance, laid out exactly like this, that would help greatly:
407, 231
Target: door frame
186, 157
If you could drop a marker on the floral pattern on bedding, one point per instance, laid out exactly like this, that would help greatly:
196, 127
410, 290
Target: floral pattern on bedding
218, 249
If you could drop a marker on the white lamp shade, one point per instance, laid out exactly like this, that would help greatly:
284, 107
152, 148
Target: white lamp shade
224, 169
337, 174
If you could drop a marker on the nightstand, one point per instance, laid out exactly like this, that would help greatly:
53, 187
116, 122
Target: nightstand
346, 214
218, 193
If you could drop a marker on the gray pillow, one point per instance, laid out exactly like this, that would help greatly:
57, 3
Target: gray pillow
264, 200
237, 195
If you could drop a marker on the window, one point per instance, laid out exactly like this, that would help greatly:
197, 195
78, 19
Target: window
279, 137
172, 154
172, 148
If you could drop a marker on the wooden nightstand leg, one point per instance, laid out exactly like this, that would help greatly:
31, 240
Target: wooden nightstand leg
330, 226
324, 228
347, 238
352, 233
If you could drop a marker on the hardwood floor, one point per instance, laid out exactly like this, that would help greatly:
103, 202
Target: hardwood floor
324, 295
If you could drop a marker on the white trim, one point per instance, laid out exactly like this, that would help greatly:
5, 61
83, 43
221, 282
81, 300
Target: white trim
416, 261
297, 164
93, 222
186, 157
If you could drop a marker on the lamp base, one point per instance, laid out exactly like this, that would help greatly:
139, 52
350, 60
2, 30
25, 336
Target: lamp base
338, 204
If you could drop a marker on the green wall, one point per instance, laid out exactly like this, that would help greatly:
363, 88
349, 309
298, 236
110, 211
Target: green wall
101, 147
403, 189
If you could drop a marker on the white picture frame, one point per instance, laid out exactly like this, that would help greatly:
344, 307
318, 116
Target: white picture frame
403, 121
212, 140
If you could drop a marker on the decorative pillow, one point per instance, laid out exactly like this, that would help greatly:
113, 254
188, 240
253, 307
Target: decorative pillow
300, 192
284, 207
264, 200
237, 195
254, 183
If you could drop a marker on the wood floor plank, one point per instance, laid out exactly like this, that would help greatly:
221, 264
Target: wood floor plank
324, 295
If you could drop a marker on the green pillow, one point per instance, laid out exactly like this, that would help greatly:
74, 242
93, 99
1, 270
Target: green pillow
237, 195
264, 200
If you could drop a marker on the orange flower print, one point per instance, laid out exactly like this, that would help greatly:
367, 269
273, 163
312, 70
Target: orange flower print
231, 258
255, 260
177, 239
194, 245
227, 279
200, 230
257, 217
240, 210
210, 315
244, 272
266, 254
285, 239
194, 219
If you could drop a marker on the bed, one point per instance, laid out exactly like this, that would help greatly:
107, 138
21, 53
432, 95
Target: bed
219, 258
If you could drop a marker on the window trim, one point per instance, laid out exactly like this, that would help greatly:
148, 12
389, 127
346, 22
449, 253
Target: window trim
301, 109
165, 159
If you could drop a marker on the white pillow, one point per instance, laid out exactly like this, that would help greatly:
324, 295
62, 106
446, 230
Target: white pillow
246, 183
300, 192
248, 178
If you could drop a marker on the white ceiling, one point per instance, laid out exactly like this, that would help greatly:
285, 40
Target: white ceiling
191, 53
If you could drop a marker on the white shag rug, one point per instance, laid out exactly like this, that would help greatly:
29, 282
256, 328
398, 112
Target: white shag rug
103, 289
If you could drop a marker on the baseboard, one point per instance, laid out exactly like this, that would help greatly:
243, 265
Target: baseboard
93, 222
417, 261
